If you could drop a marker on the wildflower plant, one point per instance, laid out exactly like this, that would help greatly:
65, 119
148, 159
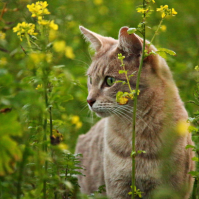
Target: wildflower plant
122, 98
56, 165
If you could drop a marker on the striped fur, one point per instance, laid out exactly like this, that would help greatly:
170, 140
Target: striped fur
106, 148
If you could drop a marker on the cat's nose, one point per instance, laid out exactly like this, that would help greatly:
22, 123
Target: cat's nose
91, 101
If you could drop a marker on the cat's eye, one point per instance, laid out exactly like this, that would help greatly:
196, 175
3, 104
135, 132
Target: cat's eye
110, 81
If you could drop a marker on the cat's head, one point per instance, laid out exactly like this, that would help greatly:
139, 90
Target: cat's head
105, 66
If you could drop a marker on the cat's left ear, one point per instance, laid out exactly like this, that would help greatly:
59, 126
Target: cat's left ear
94, 38
129, 43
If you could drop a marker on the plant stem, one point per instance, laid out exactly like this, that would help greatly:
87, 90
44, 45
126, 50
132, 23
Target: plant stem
21, 169
44, 140
28, 40
156, 32
135, 108
127, 79
51, 122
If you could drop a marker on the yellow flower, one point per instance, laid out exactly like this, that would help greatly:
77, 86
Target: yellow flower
98, 2
3, 61
59, 46
142, 10
52, 35
173, 12
163, 28
24, 28
163, 15
123, 100
2, 35
62, 147
162, 8
197, 68
78, 125
182, 127
38, 9
153, 1
166, 11
39, 86
69, 52
53, 26
37, 57
49, 57
75, 119
43, 22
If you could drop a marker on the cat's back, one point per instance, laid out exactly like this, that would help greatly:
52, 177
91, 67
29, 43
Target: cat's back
90, 145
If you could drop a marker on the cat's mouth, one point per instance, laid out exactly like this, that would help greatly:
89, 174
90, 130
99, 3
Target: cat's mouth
101, 111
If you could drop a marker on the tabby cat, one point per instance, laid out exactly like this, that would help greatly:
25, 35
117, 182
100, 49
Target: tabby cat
107, 147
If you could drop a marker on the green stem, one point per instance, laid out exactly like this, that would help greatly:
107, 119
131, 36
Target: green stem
156, 32
135, 107
51, 122
45, 144
21, 170
127, 79
28, 40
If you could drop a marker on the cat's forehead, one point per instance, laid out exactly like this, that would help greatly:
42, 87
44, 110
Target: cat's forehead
106, 64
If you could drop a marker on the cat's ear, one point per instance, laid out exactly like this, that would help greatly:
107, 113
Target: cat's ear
95, 39
129, 43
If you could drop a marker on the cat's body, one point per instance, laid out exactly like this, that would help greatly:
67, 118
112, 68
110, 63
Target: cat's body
106, 148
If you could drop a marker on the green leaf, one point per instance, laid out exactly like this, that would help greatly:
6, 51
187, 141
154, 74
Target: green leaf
122, 71
194, 173
190, 146
118, 95
191, 119
132, 74
133, 153
170, 52
162, 54
195, 159
192, 129
9, 154
131, 30
120, 81
140, 151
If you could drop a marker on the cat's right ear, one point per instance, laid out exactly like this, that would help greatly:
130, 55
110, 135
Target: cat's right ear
93, 38
129, 43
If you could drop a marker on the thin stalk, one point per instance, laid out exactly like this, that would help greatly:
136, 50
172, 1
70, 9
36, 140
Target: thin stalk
156, 32
135, 108
45, 145
127, 79
51, 122
28, 40
21, 169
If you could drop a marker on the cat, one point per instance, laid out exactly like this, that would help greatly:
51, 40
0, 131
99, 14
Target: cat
107, 147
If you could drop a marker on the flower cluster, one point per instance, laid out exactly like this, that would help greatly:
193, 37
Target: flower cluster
24, 29
166, 11
2, 35
142, 10
122, 98
38, 9
76, 121
60, 47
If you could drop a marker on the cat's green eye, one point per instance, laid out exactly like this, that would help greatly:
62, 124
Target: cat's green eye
110, 81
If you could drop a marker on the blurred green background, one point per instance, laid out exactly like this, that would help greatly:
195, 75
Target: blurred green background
179, 33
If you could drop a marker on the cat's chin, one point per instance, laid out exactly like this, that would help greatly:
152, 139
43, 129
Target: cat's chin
102, 114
